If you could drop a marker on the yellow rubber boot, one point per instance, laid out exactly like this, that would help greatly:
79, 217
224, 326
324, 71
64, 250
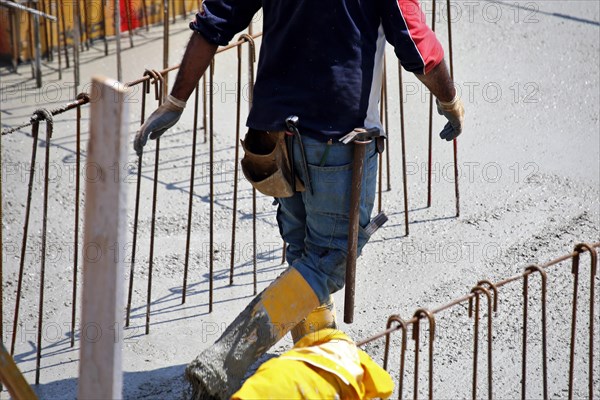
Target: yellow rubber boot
218, 371
321, 317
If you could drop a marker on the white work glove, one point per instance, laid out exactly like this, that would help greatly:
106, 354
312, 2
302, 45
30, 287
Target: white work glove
163, 118
454, 111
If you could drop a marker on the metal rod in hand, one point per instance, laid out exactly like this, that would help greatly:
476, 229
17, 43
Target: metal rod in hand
191, 199
358, 165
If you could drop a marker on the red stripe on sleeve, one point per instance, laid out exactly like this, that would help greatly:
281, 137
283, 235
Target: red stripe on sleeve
424, 39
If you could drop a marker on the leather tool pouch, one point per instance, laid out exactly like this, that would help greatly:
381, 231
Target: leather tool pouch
266, 163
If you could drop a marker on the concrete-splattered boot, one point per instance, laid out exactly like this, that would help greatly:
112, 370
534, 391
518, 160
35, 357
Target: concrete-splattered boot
217, 373
321, 317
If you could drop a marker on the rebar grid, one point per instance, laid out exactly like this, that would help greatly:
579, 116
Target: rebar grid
491, 292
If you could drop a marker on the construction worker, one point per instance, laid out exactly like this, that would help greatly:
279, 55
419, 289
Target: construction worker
320, 60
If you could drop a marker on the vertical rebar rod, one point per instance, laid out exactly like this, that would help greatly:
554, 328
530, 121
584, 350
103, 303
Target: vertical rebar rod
77, 21
129, 24
145, 91
49, 125
134, 243
430, 146
454, 142
34, 133
191, 198
104, 30
31, 43
475, 341
145, 15
575, 272
117, 25
76, 225
477, 290
204, 109
251, 61
212, 188
76, 40
236, 162
575, 269
153, 223
380, 155
387, 125
165, 44
86, 24
58, 46
403, 144
524, 352
14, 40
173, 11
46, 32
1, 250
254, 240
38, 50
50, 32
403, 327
420, 313
531, 269
416, 338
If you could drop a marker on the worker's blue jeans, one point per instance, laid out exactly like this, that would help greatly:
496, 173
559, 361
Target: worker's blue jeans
315, 227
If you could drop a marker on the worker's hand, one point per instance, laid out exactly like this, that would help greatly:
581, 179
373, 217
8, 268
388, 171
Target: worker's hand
162, 119
455, 113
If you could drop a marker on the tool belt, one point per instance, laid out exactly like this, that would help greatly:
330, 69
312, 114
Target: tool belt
267, 164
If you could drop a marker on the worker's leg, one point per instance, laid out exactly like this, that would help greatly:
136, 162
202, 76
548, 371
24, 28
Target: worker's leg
291, 217
218, 371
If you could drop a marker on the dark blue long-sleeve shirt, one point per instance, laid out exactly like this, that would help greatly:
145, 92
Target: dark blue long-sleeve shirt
322, 59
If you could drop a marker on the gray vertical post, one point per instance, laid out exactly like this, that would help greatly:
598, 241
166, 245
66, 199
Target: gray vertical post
100, 371
117, 21
38, 50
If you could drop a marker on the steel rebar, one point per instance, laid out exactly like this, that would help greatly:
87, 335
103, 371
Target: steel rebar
236, 162
212, 188
24, 242
158, 92
403, 144
46, 115
191, 197
529, 270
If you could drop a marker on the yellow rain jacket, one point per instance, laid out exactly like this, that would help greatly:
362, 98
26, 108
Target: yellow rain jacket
322, 365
